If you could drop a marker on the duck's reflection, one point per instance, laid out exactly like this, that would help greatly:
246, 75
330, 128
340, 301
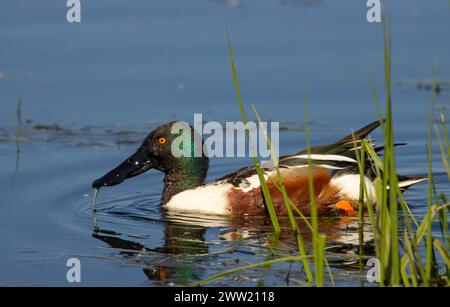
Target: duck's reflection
158, 263
184, 242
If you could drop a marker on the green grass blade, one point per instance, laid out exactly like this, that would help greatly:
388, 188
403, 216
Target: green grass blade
247, 267
266, 193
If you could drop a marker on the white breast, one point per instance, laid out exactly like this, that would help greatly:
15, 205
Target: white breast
349, 185
207, 199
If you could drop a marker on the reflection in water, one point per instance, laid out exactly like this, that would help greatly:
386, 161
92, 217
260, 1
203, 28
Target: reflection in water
17, 139
156, 262
178, 258
16, 168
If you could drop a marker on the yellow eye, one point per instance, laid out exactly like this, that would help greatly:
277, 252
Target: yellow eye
162, 141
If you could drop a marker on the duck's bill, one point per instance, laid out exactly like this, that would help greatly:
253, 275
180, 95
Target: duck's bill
135, 165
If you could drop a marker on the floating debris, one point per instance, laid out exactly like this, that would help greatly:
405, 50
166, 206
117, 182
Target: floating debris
440, 85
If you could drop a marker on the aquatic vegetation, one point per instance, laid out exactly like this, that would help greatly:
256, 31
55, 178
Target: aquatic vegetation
406, 252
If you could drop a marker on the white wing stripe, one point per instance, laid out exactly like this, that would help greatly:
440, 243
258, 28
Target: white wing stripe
321, 165
326, 157
330, 166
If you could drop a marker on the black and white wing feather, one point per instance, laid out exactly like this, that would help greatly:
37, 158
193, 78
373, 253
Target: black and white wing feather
337, 157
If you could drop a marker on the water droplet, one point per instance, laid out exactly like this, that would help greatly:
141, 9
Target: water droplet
94, 200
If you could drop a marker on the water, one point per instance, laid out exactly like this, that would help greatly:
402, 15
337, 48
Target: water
90, 93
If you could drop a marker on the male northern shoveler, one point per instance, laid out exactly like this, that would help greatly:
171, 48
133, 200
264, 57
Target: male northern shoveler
335, 175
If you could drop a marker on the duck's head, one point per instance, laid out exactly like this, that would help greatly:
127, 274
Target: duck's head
173, 148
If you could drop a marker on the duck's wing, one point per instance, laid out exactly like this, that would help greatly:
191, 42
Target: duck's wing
239, 177
338, 156
346, 146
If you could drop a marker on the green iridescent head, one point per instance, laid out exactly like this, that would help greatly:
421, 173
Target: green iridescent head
173, 148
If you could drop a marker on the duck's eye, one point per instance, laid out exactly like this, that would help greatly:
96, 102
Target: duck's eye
162, 141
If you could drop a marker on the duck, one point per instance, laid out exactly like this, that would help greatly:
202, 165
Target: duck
333, 167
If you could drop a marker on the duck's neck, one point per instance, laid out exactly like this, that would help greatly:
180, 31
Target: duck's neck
189, 173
